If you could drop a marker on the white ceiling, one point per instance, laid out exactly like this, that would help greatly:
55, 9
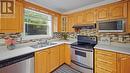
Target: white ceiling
69, 6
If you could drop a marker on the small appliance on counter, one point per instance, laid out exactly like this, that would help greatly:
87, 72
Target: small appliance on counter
82, 53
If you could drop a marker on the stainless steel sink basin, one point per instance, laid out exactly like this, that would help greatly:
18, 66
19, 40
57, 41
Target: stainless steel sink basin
42, 45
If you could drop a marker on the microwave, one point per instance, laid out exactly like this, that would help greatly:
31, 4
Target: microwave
111, 26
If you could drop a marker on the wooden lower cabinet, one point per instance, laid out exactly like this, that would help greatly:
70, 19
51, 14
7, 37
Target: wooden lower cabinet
105, 61
48, 60
67, 54
123, 63
42, 61
54, 58
111, 62
62, 54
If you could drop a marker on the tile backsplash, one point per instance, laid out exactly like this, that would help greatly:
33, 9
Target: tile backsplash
118, 37
114, 37
56, 35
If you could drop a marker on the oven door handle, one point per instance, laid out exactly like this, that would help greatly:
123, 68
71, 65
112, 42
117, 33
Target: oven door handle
81, 65
82, 49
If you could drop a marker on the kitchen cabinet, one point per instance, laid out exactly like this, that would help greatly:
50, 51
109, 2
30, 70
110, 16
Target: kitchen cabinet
128, 25
123, 63
113, 11
102, 13
42, 61
67, 54
111, 62
89, 16
68, 24
63, 23
54, 57
71, 22
79, 18
118, 10
62, 54
49, 59
105, 61
13, 24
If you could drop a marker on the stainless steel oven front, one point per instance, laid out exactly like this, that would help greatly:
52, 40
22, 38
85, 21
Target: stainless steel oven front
82, 59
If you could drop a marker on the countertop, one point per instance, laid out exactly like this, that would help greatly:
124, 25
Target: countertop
115, 47
20, 50
25, 49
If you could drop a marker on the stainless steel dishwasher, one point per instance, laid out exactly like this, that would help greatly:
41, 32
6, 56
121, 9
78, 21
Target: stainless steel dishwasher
19, 64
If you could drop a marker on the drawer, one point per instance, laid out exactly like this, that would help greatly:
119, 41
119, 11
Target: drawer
99, 70
106, 66
107, 53
105, 58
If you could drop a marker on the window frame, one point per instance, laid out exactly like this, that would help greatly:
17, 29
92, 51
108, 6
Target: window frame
29, 37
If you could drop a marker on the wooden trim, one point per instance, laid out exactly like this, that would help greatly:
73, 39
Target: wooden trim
39, 8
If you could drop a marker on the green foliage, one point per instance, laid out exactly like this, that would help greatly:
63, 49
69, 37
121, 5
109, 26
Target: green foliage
65, 35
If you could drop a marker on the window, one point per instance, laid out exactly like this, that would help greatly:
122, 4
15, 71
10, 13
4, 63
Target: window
37, 23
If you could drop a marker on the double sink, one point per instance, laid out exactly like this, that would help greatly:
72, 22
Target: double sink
40, 45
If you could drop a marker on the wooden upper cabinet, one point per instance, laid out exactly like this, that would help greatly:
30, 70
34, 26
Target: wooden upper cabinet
80, 18
89, 16
128, 27
123, 63
102, 13
71, 22
118, 10
13, 24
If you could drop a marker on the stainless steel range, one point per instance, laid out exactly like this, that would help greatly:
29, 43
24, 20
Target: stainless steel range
82, 53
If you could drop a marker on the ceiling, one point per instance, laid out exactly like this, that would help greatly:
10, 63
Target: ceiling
68, 6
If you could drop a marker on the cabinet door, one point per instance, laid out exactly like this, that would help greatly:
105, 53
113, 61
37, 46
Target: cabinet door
89, 16
71, 22
102, 13
124, 63
62, 54
67, 54
105, 61
128, 25
13, 24
42, 62
118, 10
80, 18
54, 58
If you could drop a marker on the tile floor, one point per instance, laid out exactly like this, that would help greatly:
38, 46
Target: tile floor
65, 69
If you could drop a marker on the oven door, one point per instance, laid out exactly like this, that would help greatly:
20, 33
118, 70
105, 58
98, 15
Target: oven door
82, 57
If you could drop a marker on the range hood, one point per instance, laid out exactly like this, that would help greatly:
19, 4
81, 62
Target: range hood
84, 26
